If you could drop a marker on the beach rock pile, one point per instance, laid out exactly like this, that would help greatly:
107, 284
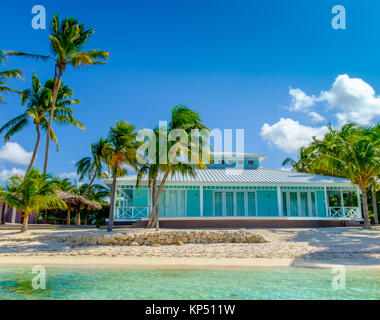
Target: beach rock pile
159, 238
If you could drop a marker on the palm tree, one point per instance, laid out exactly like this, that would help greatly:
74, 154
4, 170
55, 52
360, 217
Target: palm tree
352, 152
39, 100
95, 192
92, 166
181, 118
67, 38
64, 184
302, 165
31, 193
6, 75
120, 151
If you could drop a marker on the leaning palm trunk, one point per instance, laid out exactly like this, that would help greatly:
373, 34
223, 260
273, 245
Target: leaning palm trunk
89, 186
152, 217
374, 204
367, 224
112, 203
157, 220
35, 150
154, 214
24, 226
56, 85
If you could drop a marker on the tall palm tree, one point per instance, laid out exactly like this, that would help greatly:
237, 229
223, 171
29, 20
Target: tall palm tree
181, 118
67, 38
6, 75
120, 151
352, 152
30, 194
39, 100
92, 166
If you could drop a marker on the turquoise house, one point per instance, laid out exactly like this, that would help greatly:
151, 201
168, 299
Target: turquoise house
235, 191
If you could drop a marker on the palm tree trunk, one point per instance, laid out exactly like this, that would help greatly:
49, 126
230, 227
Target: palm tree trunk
374, 204
68, 215
367, 224
89, 186
153, 214
85, 218
157, 220
112, 204
35, 149
162, 184
57, 84
24, 226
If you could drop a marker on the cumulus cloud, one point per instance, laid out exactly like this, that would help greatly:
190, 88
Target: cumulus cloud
316, 117
352, 99
289, 135
68, 175
6, 174
12, 152
300, 100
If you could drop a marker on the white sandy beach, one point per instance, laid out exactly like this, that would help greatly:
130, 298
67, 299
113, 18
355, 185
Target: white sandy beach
285, 247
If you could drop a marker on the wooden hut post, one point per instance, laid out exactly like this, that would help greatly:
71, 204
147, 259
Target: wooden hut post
77, 218
68, 215
85, 218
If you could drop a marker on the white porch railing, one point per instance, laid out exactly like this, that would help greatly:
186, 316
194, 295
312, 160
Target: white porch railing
131, 213
344, 212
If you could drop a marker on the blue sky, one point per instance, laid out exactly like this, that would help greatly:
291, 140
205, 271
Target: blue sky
233, 61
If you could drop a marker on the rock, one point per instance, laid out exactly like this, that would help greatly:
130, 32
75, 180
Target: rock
180, 243
134, 244
156, 245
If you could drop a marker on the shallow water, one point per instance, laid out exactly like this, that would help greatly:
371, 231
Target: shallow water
258, 283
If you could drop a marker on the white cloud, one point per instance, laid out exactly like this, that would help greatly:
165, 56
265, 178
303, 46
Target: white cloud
68, 175
316, 117
12, 152
300, 100
6, 174
352, 98
289, 135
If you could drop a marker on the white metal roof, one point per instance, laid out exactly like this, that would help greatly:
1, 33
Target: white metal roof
246, 176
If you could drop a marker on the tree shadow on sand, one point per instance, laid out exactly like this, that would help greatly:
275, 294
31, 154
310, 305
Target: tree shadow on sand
353, 246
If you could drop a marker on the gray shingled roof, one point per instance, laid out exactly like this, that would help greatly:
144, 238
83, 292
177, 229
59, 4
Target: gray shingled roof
259, 175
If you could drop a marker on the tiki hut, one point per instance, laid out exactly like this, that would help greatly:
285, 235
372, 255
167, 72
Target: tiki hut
78, 203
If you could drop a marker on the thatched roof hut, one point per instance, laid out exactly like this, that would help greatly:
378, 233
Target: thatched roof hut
74, 201
78, 202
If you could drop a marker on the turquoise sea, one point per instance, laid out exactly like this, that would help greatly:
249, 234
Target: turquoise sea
258, 283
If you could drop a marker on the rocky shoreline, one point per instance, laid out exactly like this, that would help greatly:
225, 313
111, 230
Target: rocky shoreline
161, 238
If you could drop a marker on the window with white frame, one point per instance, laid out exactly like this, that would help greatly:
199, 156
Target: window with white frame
234, 203
299, 203
172, 203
